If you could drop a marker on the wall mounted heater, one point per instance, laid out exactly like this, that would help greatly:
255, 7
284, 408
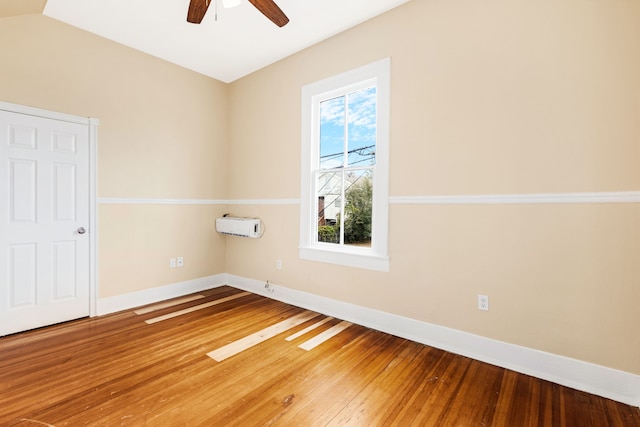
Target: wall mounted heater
244, 227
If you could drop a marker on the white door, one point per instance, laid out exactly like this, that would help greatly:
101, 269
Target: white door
44, 219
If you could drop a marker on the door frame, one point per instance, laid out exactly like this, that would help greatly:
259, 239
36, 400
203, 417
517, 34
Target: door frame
92, 127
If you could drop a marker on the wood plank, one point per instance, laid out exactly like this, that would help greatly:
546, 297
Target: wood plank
196, 308
305, 393
400, 371
118, 370
308, 329
236, 347
329, 333
161, 360
168, 304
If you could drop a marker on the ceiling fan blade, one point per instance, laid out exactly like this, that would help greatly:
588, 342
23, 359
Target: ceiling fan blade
271, 11
197, 9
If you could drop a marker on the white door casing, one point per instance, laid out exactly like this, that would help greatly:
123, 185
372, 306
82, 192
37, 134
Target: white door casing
47, 218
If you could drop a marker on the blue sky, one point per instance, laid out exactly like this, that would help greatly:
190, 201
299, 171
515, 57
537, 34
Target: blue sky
361, 111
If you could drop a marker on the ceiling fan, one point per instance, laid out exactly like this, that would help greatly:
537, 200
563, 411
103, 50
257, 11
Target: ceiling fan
197, 9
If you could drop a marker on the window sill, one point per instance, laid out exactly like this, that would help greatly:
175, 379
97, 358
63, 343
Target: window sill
346, 257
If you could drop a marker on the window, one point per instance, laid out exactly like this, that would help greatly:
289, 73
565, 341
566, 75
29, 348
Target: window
344, 200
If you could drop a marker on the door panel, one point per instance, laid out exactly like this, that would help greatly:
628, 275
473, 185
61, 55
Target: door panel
64, 194
44, 196
22, 277
22, 190
64, 268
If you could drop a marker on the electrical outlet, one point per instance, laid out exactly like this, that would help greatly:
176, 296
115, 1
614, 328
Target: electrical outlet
172, 263
483, 302
180, 261
279, 264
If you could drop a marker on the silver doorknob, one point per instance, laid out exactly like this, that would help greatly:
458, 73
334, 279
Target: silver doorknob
81, 230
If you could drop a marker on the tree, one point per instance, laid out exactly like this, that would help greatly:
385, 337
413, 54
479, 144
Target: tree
358, 208
328, 233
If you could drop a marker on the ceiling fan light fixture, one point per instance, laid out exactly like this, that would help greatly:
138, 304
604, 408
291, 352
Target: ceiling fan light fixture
230, 3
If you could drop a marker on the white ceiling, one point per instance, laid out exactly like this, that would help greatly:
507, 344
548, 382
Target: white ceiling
241, 41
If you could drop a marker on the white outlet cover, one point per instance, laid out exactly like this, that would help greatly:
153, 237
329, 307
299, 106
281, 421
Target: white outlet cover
483, 302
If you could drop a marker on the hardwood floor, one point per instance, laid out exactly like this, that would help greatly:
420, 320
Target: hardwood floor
120, 370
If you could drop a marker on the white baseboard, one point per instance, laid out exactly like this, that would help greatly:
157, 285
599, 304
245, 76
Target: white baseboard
599, 380
150, 296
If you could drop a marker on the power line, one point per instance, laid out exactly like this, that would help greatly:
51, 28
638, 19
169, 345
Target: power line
355, 150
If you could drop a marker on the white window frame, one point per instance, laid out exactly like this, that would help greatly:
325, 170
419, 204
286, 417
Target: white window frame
375, 257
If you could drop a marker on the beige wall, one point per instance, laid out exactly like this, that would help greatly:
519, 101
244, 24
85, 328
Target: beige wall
162, 135
9, 8
491, 97
488, 97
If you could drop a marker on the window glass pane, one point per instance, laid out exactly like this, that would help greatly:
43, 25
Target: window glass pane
358, 207
361, 107
332, 126
329, 185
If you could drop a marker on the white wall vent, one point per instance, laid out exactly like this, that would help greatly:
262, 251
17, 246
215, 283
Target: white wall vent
244, 227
